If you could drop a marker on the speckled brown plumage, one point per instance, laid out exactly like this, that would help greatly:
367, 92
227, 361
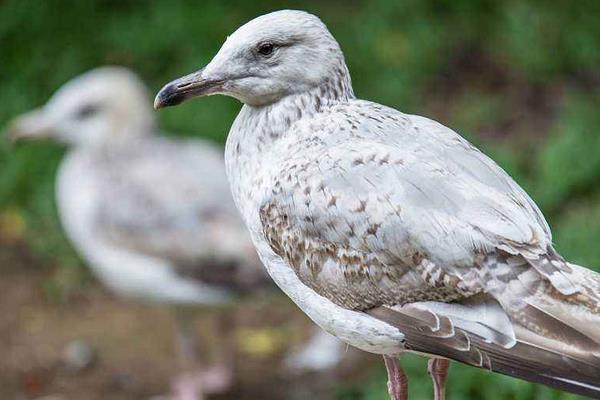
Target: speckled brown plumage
367, 282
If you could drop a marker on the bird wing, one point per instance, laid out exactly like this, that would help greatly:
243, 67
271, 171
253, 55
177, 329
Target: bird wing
171, 200
397, 201
394, 211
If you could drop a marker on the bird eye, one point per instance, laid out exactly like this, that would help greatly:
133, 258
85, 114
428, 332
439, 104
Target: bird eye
266, 49
87, 111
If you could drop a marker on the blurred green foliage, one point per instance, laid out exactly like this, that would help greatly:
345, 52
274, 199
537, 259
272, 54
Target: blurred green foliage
518, 78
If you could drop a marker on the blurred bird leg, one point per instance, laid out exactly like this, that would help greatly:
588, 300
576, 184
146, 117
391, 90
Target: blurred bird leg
197, 380
438, 369
397, 381
219, 377
186, 386
186, 342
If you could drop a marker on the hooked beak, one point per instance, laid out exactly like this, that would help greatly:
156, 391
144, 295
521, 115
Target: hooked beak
187, 87
30, 126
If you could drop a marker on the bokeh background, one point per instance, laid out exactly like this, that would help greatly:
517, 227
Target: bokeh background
520, 79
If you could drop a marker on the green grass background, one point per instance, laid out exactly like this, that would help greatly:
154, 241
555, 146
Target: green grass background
518, 78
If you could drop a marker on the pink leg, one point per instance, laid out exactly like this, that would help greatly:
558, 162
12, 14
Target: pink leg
438, 369
186, 387
195, 380
397, 381
194, 385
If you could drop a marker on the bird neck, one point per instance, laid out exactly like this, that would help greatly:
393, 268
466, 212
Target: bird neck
269, 123
256, 130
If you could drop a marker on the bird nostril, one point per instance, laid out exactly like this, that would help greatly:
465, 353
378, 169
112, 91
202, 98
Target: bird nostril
183, 85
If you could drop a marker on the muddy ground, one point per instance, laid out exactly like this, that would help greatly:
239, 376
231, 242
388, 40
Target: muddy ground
132, 344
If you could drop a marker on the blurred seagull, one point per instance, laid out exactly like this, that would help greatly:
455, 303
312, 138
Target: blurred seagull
152, 216
390, 230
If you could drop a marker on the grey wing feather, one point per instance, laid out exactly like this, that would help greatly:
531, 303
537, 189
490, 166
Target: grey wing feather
436, 334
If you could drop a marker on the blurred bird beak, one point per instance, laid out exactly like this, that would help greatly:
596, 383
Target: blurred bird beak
187, 87
30, 126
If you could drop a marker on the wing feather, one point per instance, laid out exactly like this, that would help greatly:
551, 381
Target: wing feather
397, 194
400, 217
526, 359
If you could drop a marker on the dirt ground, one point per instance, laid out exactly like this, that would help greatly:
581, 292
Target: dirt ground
126, 349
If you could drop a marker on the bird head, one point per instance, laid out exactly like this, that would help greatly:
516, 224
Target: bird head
105, 104
265, 60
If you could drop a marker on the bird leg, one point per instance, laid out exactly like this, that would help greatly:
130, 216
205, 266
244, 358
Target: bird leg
397, 381
438, 369
196, 380
186, 386
219, 377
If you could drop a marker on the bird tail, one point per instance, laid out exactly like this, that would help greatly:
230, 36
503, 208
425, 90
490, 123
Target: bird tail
562, 333
543, 336
571, 322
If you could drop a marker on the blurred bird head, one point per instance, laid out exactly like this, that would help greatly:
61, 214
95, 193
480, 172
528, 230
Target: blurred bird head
268, 58
107, 104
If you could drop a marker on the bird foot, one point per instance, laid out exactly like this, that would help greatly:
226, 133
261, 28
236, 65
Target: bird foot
216, 379
438, 369
195, 385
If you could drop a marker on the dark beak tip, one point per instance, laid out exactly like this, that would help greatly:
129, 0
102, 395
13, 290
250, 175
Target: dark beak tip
158, 103
168, 96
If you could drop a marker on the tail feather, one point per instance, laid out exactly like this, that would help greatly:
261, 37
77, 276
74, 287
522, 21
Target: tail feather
536, 319
572, 325
554, 268
589, 281
572, 321
534, 357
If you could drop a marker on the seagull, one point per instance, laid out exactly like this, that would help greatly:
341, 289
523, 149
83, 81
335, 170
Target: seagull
153, 217
390, 230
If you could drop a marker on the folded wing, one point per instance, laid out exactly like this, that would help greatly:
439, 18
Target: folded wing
393, 210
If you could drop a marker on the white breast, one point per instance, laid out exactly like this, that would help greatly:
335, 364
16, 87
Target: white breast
249, 187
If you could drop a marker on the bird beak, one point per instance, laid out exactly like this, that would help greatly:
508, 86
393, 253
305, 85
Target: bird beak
187, 87
30, 126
